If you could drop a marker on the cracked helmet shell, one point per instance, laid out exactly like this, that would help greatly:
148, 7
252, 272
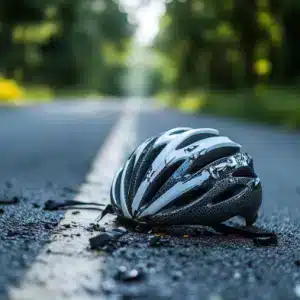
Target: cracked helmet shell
187, 176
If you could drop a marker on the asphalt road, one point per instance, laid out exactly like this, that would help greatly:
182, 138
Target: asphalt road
46, 153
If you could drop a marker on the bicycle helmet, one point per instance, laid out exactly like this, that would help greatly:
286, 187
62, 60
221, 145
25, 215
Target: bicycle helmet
187, 176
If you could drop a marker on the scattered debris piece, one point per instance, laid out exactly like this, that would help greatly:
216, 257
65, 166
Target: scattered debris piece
176, 275
125, 275
36, 205
50, 225
143, 228
56, 204
95, 227
153, 240
76, 212
1, 211
265, 240
67, 225
297, 262
156, 241
13, 200
104, 238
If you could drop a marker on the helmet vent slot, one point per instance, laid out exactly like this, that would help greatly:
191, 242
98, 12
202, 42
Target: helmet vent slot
193, 139
128, 176
117, 190
244, 172
146, 164
178, 131
187, 198
161, 180
141, 169
228, 193
210, 157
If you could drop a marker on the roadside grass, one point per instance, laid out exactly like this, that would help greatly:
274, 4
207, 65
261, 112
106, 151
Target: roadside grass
38, 94
12, 94
267, 105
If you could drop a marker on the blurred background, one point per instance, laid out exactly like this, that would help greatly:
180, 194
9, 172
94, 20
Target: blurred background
231, 57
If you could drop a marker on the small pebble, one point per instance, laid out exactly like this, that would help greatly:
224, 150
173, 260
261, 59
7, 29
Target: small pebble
103, 239
176, 275
129, 275
297, 290
237, 275
153, 240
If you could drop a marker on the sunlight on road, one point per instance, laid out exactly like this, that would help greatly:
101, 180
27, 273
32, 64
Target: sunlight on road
146, 16
140, 63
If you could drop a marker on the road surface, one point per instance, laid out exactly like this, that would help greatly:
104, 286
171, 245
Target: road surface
70, 150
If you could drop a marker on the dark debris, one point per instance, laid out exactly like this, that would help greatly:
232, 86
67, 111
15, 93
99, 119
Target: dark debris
297, 262
106, 239
13, 200
61, 204
156, 241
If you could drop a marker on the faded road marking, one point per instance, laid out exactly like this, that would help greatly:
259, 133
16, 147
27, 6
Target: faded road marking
65, 269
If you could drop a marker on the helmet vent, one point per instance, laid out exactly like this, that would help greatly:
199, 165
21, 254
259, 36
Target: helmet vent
229, 193
128, 176
156, 186
210, 157
193, 139
187, 198
146, 164
244, 172
141, 169
117, 190
178, 131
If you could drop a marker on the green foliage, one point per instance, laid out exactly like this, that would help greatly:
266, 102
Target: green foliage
60, 43
232, 46
269, 105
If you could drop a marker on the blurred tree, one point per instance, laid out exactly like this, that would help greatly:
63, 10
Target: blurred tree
63, 43
229, 44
